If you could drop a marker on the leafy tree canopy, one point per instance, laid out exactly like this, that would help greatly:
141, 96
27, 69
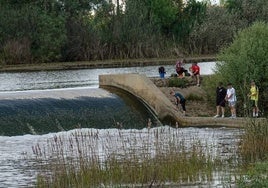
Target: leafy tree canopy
246, 59
250, 10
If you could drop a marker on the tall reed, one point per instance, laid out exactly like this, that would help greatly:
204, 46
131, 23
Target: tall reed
254, 141
122, 159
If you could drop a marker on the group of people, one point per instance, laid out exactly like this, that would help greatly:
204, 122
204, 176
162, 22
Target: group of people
181, 71
224, 96
229, 95
194, 69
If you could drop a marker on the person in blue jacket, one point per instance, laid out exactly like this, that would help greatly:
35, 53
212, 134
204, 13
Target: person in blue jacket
162, 72
180, 99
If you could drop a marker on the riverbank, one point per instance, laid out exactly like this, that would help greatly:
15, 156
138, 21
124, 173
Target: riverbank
100, 64
197, 104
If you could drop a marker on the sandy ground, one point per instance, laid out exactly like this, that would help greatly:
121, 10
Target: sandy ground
194, 108
200, 107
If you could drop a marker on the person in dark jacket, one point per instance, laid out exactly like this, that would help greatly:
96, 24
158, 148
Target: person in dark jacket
220, 100
162, 72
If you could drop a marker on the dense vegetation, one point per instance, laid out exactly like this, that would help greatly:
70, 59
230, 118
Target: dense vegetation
67, 30
244, 60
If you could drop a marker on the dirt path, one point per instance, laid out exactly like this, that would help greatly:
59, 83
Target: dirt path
197, 104
195, 107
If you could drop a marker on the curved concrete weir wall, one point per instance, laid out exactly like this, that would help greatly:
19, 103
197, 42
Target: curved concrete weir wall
143, 88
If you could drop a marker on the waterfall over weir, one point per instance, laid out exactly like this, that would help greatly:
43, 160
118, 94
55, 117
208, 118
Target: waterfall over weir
44, 111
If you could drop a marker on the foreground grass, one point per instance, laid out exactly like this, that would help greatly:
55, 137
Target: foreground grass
152, 158
254, 142
254, 154
256, 176
114, 172
130, 162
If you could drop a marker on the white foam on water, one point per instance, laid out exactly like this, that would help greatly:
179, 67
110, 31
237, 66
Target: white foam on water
18, 167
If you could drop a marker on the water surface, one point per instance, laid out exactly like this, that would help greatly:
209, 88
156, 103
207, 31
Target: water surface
18, 167
72, 96
80, 78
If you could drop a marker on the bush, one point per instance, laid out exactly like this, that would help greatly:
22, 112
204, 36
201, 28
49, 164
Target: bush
178, 82
256, 176
194, 97
17, 52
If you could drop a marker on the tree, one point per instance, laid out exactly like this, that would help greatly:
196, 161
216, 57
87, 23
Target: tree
33, 27
163, 13
250, 10
215, 31
188, 15
246, 59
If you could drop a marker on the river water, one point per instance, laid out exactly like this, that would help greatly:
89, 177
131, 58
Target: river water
17, 164
80, 78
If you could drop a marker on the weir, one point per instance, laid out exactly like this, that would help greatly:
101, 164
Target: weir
144, 89
46, 111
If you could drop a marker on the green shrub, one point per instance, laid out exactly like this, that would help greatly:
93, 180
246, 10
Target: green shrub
255, 177
178, 82
246, 59
194, 97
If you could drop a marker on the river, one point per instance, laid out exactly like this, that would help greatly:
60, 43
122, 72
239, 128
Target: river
17, 164
80, 78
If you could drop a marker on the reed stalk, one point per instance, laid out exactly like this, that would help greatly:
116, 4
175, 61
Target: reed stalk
254, 141
143, 159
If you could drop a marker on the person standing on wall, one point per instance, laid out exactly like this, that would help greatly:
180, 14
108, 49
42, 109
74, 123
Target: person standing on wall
231, 98
179, 100
195, 69
254, 96
220, 100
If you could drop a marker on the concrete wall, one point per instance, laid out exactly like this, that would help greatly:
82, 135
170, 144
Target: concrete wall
143, 88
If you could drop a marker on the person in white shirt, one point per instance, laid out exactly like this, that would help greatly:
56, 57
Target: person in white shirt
231, 98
